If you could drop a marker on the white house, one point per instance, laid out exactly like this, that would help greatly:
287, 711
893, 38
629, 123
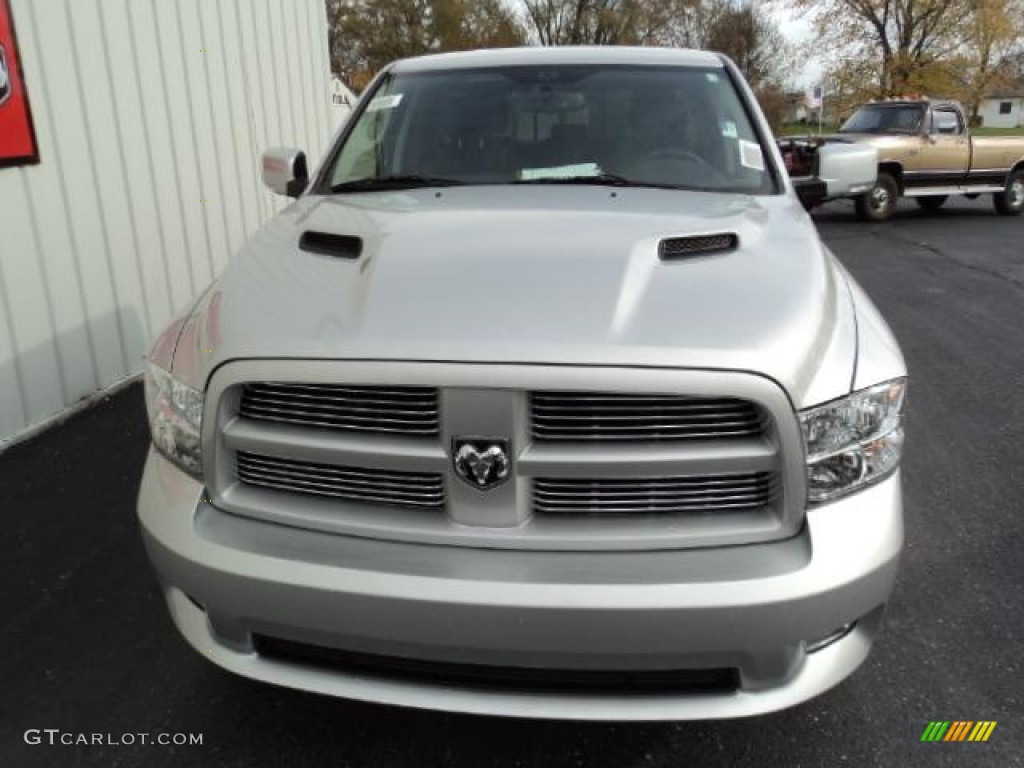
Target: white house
143, 176
1003, 110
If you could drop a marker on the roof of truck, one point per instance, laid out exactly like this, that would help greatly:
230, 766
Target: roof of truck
913, 103
584, 54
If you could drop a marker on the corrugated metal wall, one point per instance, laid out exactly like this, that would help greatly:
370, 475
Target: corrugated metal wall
150, 117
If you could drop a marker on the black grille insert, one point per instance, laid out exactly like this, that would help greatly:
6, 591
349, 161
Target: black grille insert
529, 679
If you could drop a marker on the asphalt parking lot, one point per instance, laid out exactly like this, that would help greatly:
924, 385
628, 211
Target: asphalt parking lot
86, 645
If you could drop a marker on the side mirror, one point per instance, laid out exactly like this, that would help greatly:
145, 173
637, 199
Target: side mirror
284, 170
847, 169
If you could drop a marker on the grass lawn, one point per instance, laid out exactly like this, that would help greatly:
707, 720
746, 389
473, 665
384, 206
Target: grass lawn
799, 129
998, 131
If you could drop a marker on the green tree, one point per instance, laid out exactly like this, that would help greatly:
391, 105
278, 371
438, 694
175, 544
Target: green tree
940, 48
600, 22
747, 35
365, 35
772, 99
750, 38
994, 34
905, 37
849, 82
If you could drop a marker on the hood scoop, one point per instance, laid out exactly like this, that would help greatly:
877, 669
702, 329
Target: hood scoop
327, 244
673, 248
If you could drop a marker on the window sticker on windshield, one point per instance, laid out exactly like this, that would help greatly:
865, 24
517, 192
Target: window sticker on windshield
729, 129
385, 102
751, 155
711, 76
560, 172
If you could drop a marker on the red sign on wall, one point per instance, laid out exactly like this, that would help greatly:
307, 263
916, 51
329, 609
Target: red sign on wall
17, 138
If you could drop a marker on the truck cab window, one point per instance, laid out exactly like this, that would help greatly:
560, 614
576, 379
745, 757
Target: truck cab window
947, 122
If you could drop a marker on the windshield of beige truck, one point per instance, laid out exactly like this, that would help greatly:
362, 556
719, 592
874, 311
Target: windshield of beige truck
885, 118
675, 127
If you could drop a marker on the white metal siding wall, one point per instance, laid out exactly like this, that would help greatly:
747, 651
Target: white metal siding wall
150, 117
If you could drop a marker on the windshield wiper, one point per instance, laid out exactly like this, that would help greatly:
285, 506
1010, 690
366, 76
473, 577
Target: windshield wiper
413, 181
406, 181
614, 180
601, 179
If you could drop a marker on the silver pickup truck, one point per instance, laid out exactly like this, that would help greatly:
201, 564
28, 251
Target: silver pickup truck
543, 398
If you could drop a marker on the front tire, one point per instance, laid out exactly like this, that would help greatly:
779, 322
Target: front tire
879, 203
932, 202
1010, 202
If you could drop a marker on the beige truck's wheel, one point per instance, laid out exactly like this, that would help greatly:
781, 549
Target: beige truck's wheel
1010, 202
879, 203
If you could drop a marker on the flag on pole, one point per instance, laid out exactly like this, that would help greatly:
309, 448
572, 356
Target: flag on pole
814, 97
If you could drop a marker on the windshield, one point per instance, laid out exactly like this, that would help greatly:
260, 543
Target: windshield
674, 127
885, 118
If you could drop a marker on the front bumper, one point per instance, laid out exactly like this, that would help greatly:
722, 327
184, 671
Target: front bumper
752, 608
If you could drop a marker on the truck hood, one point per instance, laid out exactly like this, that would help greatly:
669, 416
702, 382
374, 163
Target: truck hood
558, 275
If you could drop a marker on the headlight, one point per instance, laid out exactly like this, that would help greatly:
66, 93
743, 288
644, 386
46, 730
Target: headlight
175, 419
855, 441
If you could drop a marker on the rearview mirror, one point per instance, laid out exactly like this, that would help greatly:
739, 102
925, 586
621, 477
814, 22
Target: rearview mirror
284, 170
847, 169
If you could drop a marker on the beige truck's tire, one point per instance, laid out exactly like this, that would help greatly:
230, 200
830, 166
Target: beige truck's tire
879, 203
1010, 202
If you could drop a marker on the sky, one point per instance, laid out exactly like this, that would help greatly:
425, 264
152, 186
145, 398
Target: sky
797, 28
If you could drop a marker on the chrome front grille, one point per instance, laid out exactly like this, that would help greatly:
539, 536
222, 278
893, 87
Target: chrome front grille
648, 459
573, 416
423, 490
411, 411
653, 495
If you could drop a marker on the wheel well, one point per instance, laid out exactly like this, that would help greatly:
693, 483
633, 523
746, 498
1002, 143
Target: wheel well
895, 170
1018, 167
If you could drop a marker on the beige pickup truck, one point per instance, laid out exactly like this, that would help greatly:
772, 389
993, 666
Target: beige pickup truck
926, 152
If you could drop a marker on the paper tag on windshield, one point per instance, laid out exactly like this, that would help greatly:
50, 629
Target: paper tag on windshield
560, 172
751, 155
729, 129
384, 102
